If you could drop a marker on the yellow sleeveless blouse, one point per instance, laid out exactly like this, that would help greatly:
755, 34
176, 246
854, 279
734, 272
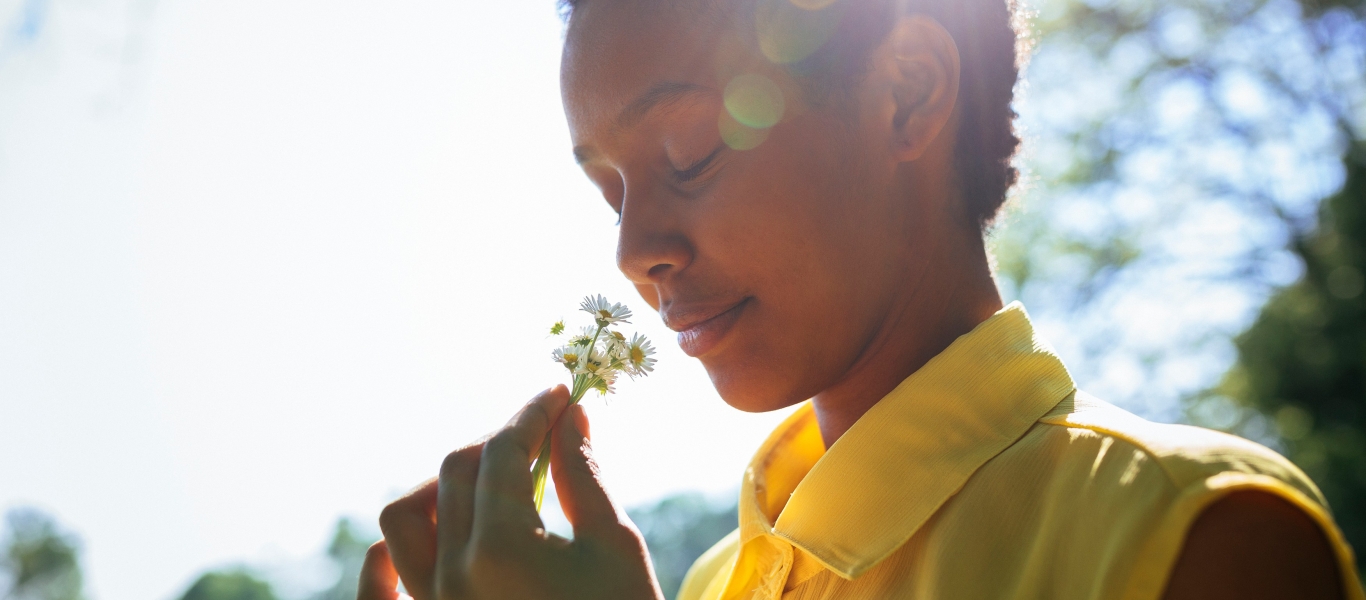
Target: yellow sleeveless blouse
986, 474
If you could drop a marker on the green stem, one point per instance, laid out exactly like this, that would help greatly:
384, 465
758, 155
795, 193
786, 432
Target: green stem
541, 467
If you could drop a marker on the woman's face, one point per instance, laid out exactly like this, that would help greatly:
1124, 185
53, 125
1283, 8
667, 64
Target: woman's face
777, 265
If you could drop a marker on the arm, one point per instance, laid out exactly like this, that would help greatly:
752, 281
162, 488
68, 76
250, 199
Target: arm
1253, 545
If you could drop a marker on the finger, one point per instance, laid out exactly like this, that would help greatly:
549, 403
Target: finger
378, 579
409, 527
455, 515
577, 478
503, 496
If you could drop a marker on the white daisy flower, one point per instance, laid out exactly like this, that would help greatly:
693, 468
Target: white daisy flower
615, 343
605, 383
604, 312
639, 356
594, 365
569, 356
584, 337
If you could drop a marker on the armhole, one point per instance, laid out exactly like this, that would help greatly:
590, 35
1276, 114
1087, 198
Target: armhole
705, 569
1148, 580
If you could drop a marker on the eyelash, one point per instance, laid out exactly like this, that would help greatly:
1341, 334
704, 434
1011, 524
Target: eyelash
698, 168
691, 172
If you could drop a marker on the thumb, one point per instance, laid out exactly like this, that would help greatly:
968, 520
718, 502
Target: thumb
577, 480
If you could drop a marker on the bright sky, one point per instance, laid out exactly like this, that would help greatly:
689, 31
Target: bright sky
263, 264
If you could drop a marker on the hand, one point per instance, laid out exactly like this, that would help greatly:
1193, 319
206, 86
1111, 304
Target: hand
473, 533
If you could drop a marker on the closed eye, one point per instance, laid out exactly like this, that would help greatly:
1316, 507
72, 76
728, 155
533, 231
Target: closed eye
696, 169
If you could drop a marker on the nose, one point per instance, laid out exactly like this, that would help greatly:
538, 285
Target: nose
651, 242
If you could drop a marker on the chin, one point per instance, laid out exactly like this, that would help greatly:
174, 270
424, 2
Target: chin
752, 392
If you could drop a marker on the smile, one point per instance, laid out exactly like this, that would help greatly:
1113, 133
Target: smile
700, 336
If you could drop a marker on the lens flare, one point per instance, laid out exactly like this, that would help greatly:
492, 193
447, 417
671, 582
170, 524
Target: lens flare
791, 30
812, 4
754, 101
739, 136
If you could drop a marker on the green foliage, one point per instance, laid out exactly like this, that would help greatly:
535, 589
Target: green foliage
347, 551
1302, 364
40, 562
1174, 148
679, 529
236, 584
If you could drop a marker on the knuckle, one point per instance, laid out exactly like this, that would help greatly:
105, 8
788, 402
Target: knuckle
456, 464
390, 517
404, 511
505, 442
539, 412
397, 516
624, 533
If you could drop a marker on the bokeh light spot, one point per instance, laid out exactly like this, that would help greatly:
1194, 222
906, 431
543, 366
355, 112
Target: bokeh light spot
788, 31
754, 100
812, 4
739, 136
1346, 282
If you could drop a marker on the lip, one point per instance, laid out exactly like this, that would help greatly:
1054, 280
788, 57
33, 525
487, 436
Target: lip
700, 329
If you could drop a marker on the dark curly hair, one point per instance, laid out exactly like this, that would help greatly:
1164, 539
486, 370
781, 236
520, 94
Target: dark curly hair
988, 35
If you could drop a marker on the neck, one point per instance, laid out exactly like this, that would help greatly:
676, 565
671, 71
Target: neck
954, 294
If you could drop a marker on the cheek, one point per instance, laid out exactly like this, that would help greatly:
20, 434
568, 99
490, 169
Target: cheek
797, 208
786, 234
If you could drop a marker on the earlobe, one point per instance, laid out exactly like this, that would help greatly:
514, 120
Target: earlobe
923, 72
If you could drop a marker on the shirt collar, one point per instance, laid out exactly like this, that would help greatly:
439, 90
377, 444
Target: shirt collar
855, 504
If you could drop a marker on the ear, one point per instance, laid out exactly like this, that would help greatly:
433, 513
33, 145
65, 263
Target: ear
915, 81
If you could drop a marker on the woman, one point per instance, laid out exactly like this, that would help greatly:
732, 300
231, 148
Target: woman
803, 187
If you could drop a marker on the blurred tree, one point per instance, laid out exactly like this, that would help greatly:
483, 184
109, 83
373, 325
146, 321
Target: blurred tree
347, 551
235, 584
40, 561
1174, 151
1302, 364
679, 529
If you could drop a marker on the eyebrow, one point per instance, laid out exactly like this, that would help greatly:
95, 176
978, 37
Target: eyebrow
662, 93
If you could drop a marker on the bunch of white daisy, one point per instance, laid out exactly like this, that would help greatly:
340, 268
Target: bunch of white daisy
596, 356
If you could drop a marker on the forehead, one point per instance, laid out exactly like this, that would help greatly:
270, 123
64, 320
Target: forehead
616, 50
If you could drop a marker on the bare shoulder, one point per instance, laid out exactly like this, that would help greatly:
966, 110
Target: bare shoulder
1252, 545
